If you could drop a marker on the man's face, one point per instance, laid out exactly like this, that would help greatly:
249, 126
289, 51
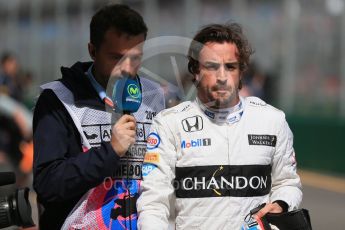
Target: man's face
219, 75
119, 54
10, 67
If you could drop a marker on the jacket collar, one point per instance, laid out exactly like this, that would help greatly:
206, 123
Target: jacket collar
228, 115
75, 79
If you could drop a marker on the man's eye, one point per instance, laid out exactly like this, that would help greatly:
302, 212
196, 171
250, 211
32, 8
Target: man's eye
115, 57
231, 66
211, 66
136, 58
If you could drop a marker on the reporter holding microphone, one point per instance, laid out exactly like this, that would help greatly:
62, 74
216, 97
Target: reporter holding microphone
123, 134
85, 162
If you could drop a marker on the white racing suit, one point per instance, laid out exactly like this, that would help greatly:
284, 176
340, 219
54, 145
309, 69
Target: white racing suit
213, 168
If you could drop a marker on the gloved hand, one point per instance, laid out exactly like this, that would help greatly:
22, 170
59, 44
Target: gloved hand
294, 220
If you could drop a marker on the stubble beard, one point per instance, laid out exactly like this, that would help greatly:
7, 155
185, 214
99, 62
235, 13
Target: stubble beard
220, 102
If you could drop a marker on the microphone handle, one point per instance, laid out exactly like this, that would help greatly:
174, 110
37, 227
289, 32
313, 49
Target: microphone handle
128, 195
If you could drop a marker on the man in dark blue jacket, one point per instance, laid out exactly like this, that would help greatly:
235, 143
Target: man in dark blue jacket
77, 146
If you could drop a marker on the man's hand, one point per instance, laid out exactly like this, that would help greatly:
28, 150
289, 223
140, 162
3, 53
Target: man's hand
269, 208
123, 134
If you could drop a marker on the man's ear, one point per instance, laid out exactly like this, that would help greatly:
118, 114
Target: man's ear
240, 84
92, 50
196, 79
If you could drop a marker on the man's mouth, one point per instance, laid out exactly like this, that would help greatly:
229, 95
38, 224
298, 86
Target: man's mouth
221, 90
221, 93
218, 88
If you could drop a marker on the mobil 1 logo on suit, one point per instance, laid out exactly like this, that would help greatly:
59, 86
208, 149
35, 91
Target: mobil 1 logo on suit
192, 124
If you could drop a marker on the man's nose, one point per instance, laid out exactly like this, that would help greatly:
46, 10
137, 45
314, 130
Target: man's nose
126, 67
221, 82
222, 74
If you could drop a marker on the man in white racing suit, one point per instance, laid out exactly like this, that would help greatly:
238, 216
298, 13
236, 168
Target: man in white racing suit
214, 159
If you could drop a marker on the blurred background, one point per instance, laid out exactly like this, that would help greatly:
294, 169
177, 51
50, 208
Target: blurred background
298, 66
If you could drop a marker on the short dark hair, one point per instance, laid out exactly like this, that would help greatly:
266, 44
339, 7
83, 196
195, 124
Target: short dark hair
219, 33
116, 16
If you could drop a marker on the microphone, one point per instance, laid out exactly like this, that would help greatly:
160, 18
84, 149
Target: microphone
127, 98
127, 95
7, 178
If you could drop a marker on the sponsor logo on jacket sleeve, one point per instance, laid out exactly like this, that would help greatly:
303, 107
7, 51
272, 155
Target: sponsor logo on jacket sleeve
151, 158
153, 141
148, 168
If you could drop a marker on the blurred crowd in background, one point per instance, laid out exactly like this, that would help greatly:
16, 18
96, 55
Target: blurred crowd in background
299, 63
16, 151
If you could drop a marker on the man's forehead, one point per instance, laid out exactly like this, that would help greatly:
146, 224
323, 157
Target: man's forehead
217, 50
123, 40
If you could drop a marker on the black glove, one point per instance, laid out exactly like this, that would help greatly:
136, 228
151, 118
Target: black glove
294, 220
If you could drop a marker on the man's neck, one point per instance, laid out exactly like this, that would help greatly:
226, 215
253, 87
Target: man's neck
228, 115
228, 108
215, 107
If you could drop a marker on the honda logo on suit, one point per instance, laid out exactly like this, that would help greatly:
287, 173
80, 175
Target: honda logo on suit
192, 124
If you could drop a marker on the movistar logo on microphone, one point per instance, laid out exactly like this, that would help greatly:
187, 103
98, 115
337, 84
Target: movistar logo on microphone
127, 95
133, 91
185, 144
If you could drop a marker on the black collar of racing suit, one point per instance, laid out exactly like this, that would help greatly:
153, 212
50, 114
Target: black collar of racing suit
228, 115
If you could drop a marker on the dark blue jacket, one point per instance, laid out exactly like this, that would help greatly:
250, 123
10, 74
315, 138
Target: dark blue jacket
62, 172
